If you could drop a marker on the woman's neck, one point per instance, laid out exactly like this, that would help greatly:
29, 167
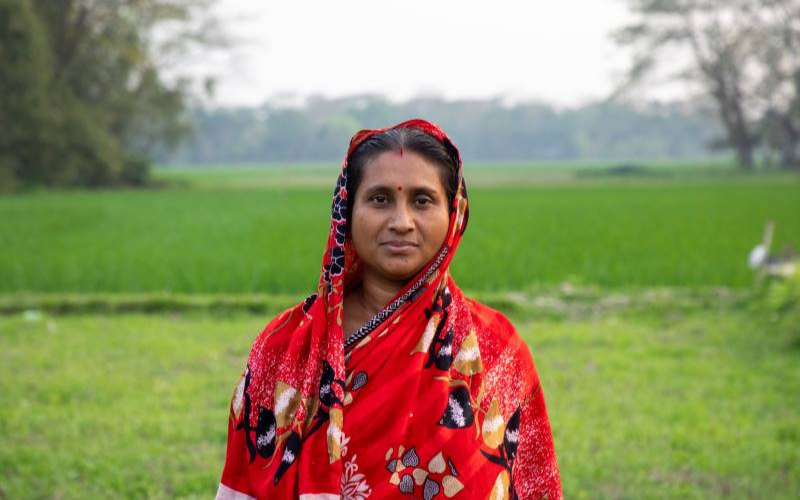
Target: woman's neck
367, 300
375, 293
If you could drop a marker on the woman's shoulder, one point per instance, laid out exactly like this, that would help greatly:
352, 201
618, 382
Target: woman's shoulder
502, 348
481, 313
278, 332
491, 323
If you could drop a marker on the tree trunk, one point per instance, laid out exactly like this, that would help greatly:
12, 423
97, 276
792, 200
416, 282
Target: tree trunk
789, 157
729, 106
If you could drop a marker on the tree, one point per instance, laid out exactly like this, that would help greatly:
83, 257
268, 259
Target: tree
25, 124
740, 52
83, 85
779, 90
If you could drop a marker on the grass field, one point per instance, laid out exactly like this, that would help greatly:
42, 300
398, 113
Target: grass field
263, 230
699, 404
126, 317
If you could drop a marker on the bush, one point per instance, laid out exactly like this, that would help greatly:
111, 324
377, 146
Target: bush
780, 298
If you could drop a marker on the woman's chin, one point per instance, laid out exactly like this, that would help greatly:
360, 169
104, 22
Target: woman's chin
400, 273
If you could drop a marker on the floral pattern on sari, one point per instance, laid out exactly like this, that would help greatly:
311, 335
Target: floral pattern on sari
438, 476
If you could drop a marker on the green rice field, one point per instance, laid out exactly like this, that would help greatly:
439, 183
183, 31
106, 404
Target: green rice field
246, 230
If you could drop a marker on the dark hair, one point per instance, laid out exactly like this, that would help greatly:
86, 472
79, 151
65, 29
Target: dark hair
402, 139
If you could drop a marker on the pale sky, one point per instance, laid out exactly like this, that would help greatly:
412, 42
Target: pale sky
554, 51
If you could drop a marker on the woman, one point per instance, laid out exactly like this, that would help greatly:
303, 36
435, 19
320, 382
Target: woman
388, 381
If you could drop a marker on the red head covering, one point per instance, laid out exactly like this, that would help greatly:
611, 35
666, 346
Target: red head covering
435, 396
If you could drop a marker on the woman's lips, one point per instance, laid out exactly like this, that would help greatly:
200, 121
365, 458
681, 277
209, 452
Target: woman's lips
399, 246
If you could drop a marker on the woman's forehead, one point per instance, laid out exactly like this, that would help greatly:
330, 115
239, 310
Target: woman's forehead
409, 170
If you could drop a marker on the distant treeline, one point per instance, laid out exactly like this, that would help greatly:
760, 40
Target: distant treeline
320, 129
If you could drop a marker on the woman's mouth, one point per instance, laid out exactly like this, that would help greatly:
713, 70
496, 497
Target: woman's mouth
398, 246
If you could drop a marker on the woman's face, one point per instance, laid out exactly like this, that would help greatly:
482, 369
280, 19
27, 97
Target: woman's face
400, 215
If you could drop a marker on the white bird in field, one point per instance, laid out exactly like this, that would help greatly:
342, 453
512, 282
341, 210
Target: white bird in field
772, 265
758, 256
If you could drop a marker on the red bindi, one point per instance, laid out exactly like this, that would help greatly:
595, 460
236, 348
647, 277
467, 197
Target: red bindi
399, 188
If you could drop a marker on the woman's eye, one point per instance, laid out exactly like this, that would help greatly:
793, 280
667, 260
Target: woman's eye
423, 201
379, 199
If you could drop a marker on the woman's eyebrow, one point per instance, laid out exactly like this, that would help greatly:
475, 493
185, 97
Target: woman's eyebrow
423, 190
376, 188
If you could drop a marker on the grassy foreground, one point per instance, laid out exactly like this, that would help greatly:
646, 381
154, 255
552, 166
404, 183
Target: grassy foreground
683, 404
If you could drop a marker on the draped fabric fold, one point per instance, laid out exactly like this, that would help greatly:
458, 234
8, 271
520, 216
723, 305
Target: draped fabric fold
436, 396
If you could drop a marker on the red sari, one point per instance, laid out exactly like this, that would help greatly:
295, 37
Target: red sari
434, 397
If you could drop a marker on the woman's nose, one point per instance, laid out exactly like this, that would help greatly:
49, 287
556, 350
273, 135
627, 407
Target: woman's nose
402, 219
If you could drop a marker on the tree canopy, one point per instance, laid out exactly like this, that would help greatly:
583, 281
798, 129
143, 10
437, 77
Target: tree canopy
743, 54
83, 100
